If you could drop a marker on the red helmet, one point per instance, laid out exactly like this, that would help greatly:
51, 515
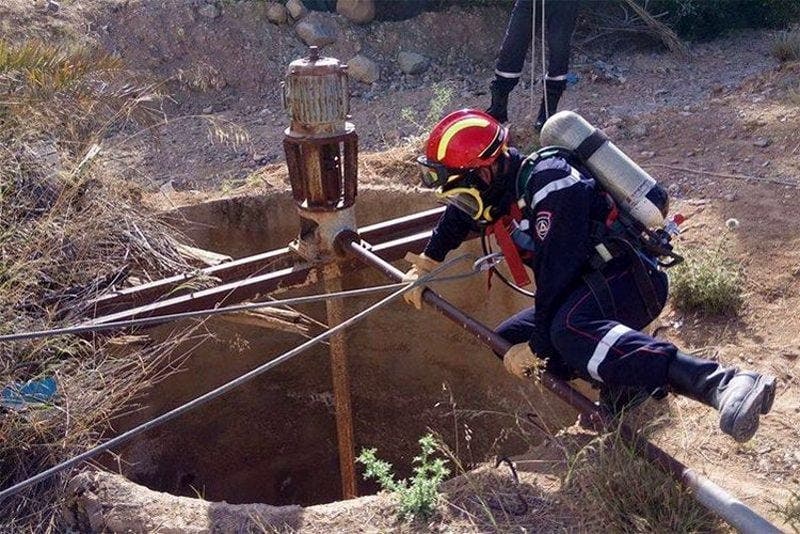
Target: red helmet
466, 139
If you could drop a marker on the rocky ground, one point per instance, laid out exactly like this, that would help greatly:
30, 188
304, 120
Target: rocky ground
719, 128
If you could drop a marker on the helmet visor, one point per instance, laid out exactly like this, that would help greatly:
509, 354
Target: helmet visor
467, 199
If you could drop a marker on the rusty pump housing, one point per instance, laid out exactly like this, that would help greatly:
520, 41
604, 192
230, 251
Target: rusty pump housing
321, 153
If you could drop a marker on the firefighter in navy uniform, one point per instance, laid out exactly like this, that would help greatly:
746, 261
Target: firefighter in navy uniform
588, 315
560, 16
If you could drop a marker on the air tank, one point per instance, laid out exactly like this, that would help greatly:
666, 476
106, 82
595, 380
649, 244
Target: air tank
634, 190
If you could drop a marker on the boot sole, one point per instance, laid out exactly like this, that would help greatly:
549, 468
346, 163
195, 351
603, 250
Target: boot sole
743, 424
769, 395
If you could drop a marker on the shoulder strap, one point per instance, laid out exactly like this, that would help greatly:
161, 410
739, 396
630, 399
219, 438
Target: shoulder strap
528, 164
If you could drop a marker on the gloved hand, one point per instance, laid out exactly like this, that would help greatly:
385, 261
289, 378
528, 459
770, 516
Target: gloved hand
420, 266
519, 360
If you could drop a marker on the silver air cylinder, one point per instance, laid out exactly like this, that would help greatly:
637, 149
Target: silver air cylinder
633, 189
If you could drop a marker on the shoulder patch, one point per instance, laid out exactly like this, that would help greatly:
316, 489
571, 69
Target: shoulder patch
542, 224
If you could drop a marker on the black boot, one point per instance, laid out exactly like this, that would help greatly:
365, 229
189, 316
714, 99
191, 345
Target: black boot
553, 91
739, 396
500, 88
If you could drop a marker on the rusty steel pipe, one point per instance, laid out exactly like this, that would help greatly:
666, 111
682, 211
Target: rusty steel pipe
341, 384
709, 494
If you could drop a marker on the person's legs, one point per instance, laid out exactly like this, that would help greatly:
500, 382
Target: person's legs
511, 58
560, 23
608, 347
611, 349
518, 329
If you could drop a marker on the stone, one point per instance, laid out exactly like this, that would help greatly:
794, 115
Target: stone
209, 11
412, 63
296, 9
277, 13
363, 69
315, 30
648, 154
762, 142
357, 11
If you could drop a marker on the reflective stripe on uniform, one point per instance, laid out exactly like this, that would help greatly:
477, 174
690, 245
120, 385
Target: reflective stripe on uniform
454, 129
555, 78
503, 74
573, 178
601, 350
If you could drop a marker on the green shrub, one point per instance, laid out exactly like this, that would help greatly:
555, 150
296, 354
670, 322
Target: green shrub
707, 19
418, 498
708, 281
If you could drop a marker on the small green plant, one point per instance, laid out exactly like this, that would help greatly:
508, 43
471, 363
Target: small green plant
419, 496
442, 96
790, 511
709, 281
787, 47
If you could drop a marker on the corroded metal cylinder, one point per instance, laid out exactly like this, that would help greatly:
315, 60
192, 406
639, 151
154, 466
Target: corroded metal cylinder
316, 96
321, 146
322, 171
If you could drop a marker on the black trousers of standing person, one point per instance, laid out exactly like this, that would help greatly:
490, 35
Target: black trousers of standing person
560, 16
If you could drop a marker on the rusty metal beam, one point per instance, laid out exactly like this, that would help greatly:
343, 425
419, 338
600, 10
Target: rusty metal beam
707, 492
250, 288
249, 267
340, 376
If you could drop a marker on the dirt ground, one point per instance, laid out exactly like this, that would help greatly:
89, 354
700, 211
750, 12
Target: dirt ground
719, 128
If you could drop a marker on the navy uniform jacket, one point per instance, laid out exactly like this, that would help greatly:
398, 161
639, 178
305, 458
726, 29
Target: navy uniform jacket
563, 204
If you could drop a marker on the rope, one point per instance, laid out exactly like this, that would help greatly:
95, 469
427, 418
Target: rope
544, 68
533, 58
208, 312
80, 329
533, 61
228, 386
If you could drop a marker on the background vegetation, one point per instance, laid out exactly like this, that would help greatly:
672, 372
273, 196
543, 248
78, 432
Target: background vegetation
66, 236
691, 19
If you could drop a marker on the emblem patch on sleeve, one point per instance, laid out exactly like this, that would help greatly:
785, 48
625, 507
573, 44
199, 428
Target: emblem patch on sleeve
543, 224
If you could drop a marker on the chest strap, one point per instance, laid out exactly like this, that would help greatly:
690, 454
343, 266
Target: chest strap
510, 251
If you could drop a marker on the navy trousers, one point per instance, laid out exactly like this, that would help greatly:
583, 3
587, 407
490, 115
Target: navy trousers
560, 22
605, 346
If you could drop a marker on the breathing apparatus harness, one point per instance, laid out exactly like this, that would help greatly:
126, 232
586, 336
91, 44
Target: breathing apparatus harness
619, 235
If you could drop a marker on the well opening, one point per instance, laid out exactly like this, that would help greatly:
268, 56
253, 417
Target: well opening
273, 440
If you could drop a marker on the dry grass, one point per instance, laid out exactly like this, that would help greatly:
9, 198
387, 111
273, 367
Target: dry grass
786, 47
67, 234
790, 511
614, 489
398, 162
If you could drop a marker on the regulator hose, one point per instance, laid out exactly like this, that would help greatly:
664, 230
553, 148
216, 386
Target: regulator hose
487, 249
